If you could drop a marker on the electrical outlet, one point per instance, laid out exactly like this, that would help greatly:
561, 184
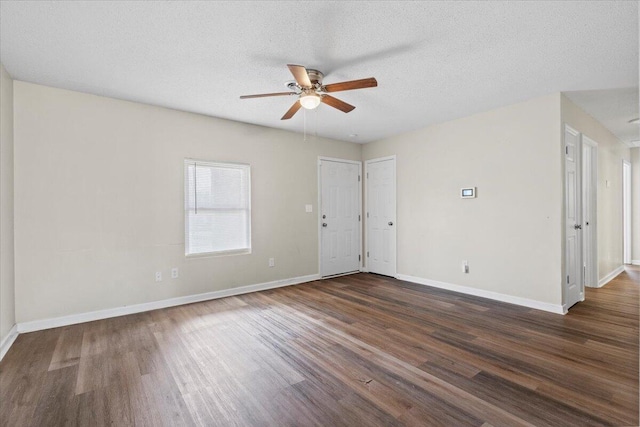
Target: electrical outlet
272, 262
308, 208
174, 273
465, 267
158, 276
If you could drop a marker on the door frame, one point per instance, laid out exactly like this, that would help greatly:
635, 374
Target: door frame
319, 209
365, 222
626, 212
591, 260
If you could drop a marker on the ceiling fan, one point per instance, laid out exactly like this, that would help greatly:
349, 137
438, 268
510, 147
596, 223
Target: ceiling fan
311, 92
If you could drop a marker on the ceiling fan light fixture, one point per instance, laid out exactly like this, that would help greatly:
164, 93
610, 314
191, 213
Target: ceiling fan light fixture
309, 100
311, 92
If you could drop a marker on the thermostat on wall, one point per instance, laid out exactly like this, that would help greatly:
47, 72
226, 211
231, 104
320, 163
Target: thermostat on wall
468, 193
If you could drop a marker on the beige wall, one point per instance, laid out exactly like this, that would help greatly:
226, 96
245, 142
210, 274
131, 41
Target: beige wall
511, 233
7, 300
635, 207
611, 152
99, 201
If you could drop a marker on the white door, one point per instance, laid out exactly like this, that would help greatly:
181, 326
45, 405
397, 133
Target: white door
573, 284
589, 211
381, 216
340, 217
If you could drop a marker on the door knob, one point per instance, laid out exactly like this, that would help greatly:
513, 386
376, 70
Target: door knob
578, 227
390, 223
324, 224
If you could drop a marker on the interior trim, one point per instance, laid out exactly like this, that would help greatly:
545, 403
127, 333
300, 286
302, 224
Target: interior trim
525, 302
609, 277
38, 325
6, 343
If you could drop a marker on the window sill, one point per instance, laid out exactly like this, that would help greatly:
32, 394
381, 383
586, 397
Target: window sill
219, 253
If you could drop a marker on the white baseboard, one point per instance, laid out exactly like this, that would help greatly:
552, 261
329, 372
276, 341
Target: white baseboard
609, 277
635, 262
38, 325
538, 305
5, 345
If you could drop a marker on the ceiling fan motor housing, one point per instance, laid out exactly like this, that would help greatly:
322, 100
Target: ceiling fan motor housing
315, 76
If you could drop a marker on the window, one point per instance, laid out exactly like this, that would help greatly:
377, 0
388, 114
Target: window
217, 207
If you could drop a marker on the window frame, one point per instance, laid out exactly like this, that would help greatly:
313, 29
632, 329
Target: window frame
195, 162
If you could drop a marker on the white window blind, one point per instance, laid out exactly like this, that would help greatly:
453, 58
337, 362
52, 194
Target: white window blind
217, 207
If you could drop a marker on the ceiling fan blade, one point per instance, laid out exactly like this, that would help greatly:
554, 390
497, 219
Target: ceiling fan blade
350, 85
264, 95
294, 109
336, 103
300, 74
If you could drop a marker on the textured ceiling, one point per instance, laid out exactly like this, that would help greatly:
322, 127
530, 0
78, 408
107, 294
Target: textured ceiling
614, 108
434, 61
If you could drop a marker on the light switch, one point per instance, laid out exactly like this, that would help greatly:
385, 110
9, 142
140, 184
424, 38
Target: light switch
308, 208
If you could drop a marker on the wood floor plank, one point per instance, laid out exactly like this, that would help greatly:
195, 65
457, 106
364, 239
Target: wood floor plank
353, 350
58, 389
68, 348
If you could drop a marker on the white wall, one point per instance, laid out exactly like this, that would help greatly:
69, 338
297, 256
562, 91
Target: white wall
7, 300
511, 233
611, 152
635, 206
99, 201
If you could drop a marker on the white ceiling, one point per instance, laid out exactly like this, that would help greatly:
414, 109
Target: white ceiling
614, 108
434, 61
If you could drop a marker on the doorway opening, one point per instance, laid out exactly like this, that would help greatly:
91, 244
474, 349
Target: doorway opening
380, 183
339, 230
581, 245
590, 210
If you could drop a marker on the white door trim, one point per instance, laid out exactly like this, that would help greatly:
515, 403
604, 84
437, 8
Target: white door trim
319, 209
364, 217
626, 212
380, 159
591, 261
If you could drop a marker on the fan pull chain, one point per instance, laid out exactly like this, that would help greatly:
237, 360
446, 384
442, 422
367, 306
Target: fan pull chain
315, 120
304, 125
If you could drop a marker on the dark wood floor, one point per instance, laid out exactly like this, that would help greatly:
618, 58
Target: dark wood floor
355, 350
